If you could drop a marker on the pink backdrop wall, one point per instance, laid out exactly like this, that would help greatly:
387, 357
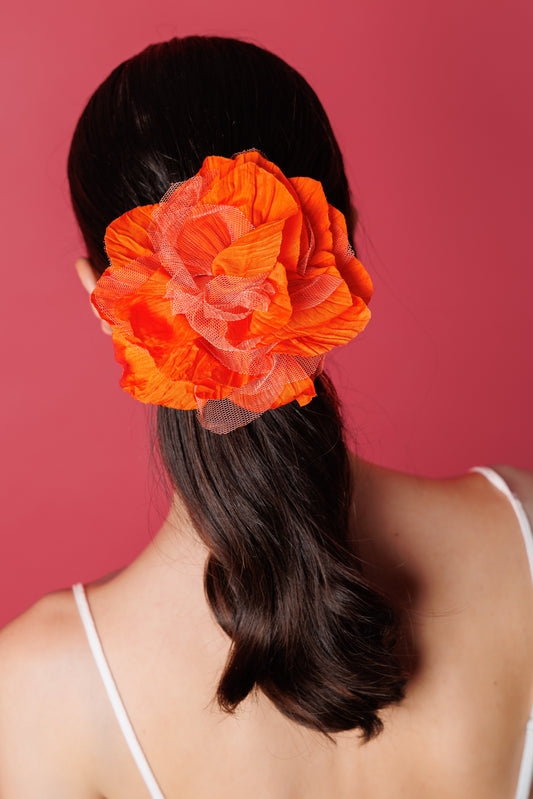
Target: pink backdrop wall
432, 106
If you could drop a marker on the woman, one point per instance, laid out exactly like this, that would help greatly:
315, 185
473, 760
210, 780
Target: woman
304, 623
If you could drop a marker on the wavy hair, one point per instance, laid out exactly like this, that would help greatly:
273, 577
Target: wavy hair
271, 500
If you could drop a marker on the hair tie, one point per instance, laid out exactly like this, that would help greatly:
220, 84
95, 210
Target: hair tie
226, 295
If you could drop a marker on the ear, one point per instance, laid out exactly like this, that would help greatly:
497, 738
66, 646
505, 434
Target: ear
88, 278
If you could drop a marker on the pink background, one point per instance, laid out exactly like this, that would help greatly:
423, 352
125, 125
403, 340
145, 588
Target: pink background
432, 105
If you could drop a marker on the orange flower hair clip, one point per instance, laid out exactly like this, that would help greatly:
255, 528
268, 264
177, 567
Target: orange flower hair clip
226, 296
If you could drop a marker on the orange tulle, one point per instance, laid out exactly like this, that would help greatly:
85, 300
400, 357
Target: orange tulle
227, 295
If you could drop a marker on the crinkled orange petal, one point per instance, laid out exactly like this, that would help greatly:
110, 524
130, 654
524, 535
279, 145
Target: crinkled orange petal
223, 166
176, 350
302, 390
132, 261
149, 313
252, 255
260, 400
211, 379
127, 238
189, 374
116, 284
340, 331
255, 192
143, 380
333, 298
201, 239
265, 323
255, 255
351, 269
290, 250
317, 330
315, 209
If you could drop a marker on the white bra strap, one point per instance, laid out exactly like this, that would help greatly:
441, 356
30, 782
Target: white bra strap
112, 692
525, 526
525, 778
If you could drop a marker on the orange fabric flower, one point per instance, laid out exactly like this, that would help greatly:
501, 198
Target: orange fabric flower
229, 292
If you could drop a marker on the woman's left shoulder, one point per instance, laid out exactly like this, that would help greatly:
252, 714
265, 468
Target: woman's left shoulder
519, 480
38, 635
459, 536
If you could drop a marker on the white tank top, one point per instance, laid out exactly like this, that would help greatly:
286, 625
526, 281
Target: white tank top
525, 779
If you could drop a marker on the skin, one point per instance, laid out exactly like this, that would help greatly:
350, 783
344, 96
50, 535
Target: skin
448, 552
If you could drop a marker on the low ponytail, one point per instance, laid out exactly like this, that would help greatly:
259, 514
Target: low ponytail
271, 502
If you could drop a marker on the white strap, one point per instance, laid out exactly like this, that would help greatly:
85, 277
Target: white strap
525, 777
112, 692
525, 526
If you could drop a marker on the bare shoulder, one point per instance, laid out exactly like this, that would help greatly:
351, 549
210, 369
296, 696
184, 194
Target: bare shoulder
44, 707
459, 545
492, 505
520, 481
437, 525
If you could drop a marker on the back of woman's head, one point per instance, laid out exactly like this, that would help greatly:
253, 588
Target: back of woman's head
158, 115
271, 500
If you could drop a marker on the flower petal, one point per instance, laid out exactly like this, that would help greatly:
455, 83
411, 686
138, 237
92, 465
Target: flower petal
315, 210
222, 166
255, 192
127, 239
253, 254
233, 287
142, 379
351, 269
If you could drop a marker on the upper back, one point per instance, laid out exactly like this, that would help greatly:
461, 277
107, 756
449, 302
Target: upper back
449, 551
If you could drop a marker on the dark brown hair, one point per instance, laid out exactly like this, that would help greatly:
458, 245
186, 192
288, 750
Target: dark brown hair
271, 500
